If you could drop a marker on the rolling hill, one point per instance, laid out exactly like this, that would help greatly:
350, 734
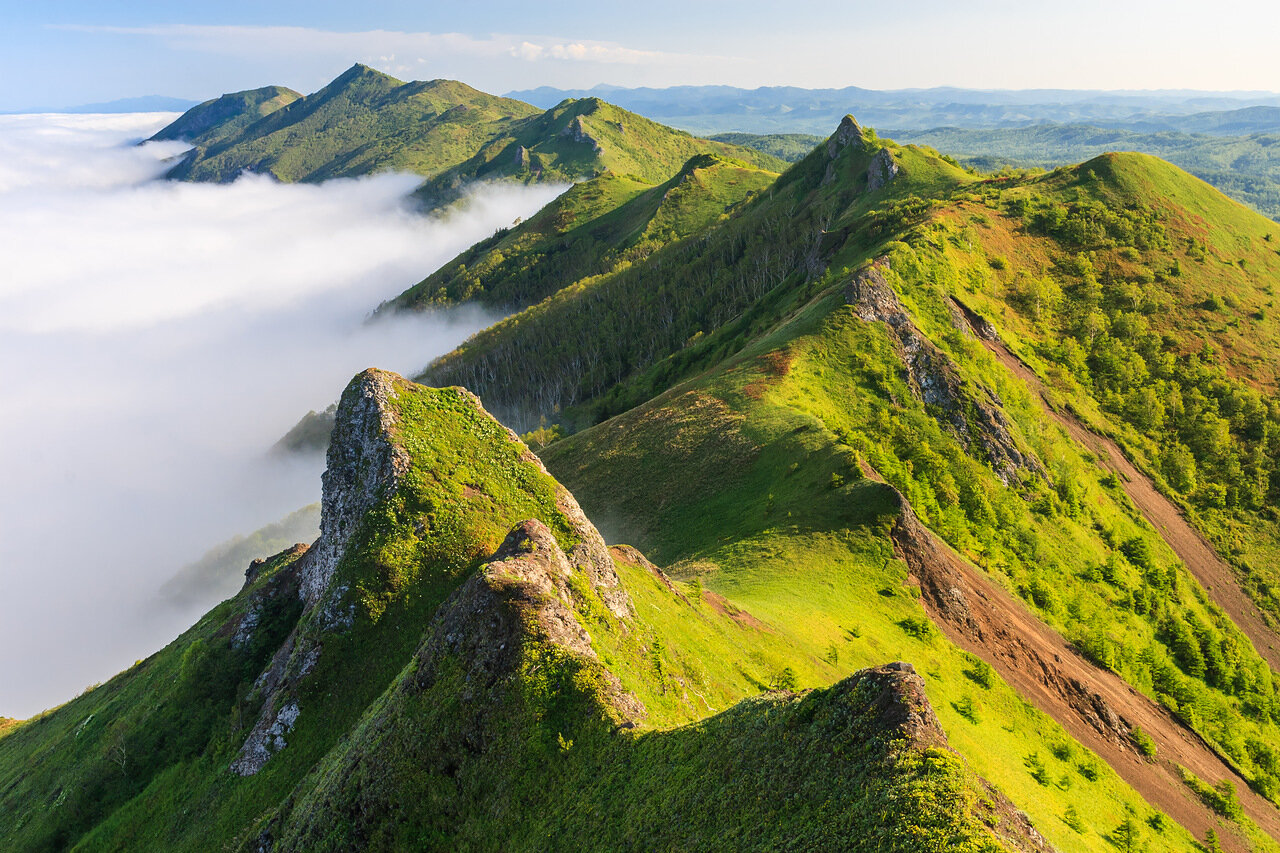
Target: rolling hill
366, 121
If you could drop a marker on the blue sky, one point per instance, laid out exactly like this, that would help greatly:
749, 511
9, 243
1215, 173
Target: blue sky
77, 51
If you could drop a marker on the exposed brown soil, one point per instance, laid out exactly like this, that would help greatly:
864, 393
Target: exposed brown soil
721, 605
1209, 569
1094, 705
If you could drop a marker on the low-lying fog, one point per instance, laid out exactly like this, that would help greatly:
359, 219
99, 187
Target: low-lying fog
156, 339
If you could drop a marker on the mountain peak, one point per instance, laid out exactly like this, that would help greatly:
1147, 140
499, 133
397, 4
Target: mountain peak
362, 464
360, 70
848, 131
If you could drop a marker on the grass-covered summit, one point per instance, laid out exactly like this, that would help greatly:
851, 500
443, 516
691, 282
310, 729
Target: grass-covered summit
366, 121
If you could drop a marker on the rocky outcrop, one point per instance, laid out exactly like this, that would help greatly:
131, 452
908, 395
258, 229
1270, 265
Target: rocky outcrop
881, 170
969, 321
362, 465
267, 738
894, 697
367, 464
521, 595
577, 129
975, 419
848, 132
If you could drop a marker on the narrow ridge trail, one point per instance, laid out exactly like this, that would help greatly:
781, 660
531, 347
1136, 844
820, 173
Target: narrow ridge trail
1213, 573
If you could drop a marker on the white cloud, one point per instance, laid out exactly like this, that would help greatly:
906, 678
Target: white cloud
382, 46
157, 339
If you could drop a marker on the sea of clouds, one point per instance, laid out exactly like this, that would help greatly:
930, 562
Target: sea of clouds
155, 339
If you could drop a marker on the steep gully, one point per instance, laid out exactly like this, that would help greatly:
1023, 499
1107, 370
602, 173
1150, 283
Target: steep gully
1094, 705
1209, 569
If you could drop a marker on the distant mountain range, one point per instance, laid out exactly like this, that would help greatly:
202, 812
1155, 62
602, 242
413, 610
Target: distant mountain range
787, 109
142, 104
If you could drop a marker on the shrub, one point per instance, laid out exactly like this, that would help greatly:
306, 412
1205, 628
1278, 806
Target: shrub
1143, 742
917, 626
980, 672
783, 679
1035, 765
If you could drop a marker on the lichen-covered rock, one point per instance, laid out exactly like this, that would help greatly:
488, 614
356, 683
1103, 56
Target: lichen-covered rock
849, 131
881, 170
266, 739
521, 594
976, 420
577, 129
591, 554
362, 465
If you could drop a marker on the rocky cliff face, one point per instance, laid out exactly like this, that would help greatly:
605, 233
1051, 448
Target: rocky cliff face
362, 465
881, 170
974, 418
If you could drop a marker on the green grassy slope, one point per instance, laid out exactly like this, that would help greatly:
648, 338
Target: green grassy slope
168, 725
723, 284
1244, 167
1074, 551
223, 118
362, 122
595, 227
747, 482
582, 139
725, 395
447, 699
1146, 300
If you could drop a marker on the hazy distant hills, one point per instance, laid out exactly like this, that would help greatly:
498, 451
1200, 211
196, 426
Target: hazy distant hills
787, 109
142, 104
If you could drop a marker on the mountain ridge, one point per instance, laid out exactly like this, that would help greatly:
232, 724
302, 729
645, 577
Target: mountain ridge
365, 121
540, 685
848, 416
